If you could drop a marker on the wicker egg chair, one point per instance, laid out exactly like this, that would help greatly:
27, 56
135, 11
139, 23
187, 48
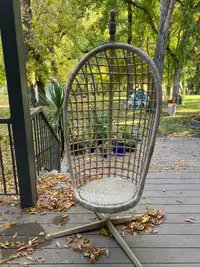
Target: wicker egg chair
110, 144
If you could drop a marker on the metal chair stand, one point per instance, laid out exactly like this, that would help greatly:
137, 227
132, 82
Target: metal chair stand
107, 222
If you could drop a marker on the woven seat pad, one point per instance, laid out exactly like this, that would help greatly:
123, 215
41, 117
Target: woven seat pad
108, 191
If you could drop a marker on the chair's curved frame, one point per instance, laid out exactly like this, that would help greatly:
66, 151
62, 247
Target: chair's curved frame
110, 221
157, 80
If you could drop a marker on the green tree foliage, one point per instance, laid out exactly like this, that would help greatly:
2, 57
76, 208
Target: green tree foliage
58, 33
2, 69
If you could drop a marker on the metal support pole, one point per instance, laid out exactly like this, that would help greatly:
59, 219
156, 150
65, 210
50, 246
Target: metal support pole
14, 57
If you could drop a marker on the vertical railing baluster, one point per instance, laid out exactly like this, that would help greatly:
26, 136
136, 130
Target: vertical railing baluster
36, 143
47, 144
13, 158
2, 170
42, 141
39, 142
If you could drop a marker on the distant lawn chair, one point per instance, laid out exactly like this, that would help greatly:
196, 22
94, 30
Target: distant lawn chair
102, 181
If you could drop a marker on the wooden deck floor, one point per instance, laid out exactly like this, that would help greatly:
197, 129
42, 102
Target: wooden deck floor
176, 170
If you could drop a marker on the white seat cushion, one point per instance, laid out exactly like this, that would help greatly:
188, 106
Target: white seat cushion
108, 191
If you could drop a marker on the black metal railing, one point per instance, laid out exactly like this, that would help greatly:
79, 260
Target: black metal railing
46, 146
46, 142
8, 170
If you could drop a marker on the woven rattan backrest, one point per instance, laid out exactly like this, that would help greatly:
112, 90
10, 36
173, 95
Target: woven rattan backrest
112, 109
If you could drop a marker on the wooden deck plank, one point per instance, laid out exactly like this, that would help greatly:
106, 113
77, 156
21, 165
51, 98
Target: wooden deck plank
172, 174
52, 218
138, 241
167, 181
172, 187
145, 255
163, 229
111, 265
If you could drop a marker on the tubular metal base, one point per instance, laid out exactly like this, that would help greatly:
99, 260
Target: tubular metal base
104, 221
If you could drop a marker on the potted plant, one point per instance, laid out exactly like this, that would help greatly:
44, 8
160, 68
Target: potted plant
124, 142
78, 147
126, 131
104, 148
131, 145
91, 147
130, 132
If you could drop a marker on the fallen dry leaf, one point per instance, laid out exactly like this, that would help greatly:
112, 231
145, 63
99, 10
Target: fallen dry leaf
25, 264
147, 222
105, 232
178, 193
78, 236
50, 199
149, 202
41, 234
149, 229
9, 224
22, 249
63, 218
88, 249
15, 235
107, 253
190, 220
58, 244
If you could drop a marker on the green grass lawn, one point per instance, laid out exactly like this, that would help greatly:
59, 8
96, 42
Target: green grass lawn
179, 125
4, 106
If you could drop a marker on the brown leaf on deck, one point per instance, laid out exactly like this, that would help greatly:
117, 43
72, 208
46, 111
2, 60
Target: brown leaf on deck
15, 235
41, 234
178, 193
58, 244
9, 224
147, 222
190, 220
50, 199
23, 249
87, 248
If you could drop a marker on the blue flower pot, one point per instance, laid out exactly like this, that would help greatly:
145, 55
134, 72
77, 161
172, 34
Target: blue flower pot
121, 149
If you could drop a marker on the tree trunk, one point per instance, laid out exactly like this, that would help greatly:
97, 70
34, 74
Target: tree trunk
33, 99
177, 79
130, 24
166, 9
53, 61
129, 57
26, 19
62, 142
41, 89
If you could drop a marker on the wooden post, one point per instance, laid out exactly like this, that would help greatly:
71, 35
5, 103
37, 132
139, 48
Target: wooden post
14, 57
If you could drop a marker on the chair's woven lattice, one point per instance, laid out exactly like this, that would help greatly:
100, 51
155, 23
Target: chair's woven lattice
99, 118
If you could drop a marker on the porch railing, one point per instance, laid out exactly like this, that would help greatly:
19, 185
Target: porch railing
8, 170
46, 147
46, 142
